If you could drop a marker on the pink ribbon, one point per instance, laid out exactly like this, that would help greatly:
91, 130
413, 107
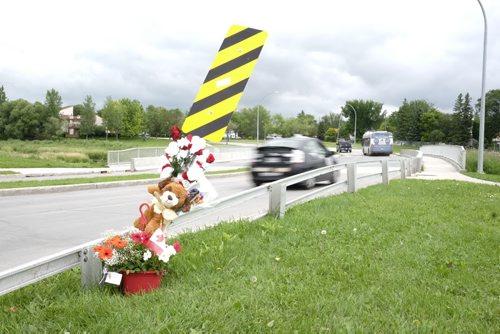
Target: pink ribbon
143, 219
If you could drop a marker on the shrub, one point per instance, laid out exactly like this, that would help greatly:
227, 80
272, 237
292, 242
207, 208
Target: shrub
99, 156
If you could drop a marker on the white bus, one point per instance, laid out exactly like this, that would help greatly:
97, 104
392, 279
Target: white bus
377, 142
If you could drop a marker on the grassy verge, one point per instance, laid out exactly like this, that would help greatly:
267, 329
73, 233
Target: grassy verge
408, 257
65, 152
7, 172
491, 162
99, 179
487, 177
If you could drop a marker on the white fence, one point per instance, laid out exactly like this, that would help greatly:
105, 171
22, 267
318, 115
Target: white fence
16, 278
452, 153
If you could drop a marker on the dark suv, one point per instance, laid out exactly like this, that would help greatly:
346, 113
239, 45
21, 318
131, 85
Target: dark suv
344, 146
283, 157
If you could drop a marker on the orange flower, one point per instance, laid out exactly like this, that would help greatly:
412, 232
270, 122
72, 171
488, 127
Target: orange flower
120, 244
116, 242
97, 248
105, 253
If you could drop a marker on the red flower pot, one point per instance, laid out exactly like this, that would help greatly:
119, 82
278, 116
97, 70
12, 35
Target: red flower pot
141, 282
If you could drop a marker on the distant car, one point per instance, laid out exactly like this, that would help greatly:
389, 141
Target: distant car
344, 146
283, 157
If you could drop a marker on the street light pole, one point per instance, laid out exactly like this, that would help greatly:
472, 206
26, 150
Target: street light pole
483, 98
258, 111
338, 129
355, 119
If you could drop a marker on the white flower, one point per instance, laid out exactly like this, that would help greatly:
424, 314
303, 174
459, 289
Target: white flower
194, 172
166, 173
253, 279
323, 231
183, 154
183, 143
147, 255
172, 149
197, 144
167, 253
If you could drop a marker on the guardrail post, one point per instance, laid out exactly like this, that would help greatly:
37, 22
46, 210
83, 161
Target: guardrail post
351, 178
277, 200
410, 167
90, 266
385, 172
403, 168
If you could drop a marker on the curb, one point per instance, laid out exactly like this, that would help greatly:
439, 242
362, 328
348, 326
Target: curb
90, 186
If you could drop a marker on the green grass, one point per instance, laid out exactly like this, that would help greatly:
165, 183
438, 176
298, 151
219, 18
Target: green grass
491, 162
100, 179
65, 152
408, 257
81, 180
487, 177
7, 172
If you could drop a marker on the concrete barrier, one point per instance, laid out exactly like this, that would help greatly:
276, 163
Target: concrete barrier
416, 159
453, 153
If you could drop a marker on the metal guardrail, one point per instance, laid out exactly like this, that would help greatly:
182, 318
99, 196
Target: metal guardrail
91, 268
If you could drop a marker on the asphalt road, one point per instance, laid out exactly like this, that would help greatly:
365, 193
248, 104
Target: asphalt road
38, 225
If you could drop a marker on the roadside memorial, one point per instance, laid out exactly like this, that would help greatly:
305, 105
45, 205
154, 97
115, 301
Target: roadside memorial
137, 260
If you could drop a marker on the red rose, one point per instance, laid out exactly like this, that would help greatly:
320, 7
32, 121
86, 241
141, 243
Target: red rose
185, 176
177, 246
175, 133
210, 158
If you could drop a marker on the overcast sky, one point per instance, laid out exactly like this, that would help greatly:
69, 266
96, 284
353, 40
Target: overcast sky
318, 53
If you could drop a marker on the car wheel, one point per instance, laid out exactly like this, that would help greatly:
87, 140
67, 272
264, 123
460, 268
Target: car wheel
309, 184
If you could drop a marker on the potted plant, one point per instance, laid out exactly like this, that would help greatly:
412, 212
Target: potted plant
139, 257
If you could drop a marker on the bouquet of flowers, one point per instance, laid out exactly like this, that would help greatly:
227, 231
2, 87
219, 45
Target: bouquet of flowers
186, 160
136, 251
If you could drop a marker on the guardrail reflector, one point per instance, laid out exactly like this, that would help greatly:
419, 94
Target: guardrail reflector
223, 86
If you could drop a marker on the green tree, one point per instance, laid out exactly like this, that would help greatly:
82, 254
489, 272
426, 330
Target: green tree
20, 119
133, 117
409, 120
112, 117
327, 122
3, 96
277, 124
49, 117
368, 116
159, 120
429, 123
246, 120
53, 102
87, 117
492, 115
331, 134
462, 120
303, 124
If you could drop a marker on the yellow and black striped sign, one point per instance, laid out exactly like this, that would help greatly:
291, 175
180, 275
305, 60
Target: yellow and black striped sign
224, 84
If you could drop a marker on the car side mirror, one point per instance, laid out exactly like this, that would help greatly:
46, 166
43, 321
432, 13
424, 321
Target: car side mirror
329, 153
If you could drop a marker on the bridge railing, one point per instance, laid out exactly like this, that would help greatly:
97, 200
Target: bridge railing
91, 270
452, 153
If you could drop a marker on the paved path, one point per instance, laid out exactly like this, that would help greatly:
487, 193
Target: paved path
440, 169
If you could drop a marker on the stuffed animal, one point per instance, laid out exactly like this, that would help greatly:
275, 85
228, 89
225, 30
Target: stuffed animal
168, 197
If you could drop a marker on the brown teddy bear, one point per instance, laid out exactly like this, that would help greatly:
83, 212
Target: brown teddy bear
168, 197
